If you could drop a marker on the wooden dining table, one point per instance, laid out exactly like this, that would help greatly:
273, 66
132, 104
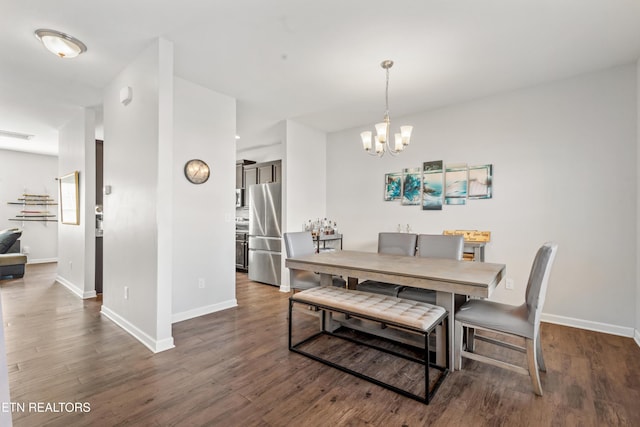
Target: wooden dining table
445, 276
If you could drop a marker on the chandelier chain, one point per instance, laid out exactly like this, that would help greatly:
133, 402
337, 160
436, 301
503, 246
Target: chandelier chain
386, 94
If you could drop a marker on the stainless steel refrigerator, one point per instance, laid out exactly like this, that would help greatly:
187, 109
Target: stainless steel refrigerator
265, 243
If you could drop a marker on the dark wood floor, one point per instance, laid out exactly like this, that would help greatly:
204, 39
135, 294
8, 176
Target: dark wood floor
233, 368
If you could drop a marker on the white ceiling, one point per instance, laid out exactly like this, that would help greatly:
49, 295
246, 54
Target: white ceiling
315, 62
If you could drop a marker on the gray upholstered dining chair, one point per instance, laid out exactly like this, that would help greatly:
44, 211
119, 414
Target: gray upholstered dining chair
433, 246
300, 243
393, 244
520, 321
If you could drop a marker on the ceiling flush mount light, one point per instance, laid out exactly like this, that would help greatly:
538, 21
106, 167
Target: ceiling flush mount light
60, 44
382, 140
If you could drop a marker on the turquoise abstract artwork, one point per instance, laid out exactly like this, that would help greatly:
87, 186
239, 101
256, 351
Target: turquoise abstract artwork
456, 179
411, 183
432, 185
392, 186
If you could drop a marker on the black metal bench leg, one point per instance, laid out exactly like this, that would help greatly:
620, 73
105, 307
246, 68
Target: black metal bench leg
429, 393
290, 321
426, 368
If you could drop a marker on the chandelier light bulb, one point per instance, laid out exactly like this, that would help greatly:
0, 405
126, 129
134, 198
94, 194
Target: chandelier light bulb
405, 131
399, 145
379, 147
366, 140
381, 131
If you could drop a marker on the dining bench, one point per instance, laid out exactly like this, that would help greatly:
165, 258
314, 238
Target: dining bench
412, 317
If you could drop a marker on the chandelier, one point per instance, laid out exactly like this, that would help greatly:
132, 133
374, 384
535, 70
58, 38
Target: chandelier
382, 141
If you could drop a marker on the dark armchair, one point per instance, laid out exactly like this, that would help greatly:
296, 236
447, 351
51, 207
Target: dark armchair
11, 260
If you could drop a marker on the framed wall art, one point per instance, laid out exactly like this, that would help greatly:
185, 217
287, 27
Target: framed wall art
69, 199
392, 186
480, 181
432, 185
411, 183
456, 179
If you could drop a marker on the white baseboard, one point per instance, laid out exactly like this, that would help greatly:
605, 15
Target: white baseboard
201, 311
637, 337
589, 325
148, 341
75, 289
41, 260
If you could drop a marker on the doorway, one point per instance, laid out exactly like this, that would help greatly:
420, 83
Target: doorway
99, 198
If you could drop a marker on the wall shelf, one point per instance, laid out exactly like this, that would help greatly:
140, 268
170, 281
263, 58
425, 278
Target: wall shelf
38, 220
31, 204
31, 214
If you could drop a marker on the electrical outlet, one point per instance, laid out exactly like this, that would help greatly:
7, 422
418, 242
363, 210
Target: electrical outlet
509, 284
70, 265
201, 283
126, 292
26, 250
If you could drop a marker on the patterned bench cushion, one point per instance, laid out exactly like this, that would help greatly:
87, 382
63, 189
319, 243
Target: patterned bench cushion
414, 314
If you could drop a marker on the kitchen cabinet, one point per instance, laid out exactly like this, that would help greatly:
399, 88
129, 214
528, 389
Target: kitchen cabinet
239, 176
240, 173
263, 173
242, 251
277, 171
250, 177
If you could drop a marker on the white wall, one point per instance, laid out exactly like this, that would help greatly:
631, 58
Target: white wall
564, 156
266, 142
263, 153
304, 180
29, 173
203, 215
164, 192
138, 165
637, 332
76, 243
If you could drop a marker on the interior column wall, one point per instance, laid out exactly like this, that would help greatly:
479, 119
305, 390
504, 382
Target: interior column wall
637, 331
203, 220
304, 177
76, 243
138, 146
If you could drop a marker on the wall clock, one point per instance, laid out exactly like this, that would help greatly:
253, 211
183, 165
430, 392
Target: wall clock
196, 171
